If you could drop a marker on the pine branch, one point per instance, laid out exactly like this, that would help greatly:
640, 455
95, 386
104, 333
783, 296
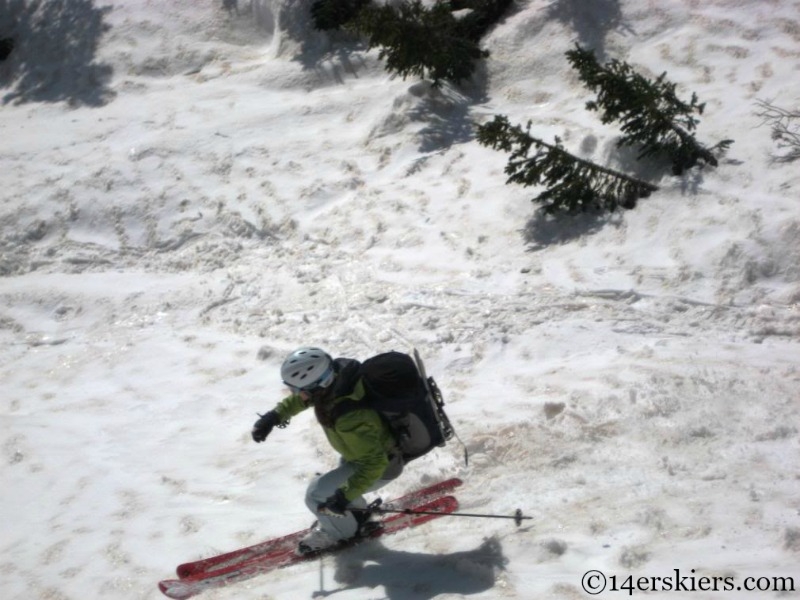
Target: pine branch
416, 37
482, 15
573, 184
651, 113
335, 14
6, 48
419, 40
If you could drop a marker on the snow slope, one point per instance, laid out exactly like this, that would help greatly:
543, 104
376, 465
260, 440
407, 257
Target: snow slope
188, 194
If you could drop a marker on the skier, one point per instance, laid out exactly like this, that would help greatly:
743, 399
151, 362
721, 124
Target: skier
369, 454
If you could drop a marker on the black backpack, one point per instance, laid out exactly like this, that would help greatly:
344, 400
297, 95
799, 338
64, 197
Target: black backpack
410, 402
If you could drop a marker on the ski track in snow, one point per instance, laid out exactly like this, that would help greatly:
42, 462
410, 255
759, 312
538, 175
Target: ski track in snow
242, 185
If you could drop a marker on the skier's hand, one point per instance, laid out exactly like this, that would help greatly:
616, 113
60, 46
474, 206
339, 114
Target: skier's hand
335, 506
263, 427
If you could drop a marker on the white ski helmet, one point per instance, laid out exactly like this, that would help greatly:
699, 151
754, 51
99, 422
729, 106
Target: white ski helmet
307, 369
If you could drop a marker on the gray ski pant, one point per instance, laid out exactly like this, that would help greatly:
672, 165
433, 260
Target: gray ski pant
322, 487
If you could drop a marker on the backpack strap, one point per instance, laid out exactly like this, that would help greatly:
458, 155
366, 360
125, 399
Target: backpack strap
348, 372
347, 376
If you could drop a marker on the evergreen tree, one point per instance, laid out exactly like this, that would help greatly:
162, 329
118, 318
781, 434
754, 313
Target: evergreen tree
652, 115
482, 15
417, 40
573, 184
6, 47
335, 14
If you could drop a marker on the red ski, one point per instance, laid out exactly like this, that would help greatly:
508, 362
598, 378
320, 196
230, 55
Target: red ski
291, 540
282, 555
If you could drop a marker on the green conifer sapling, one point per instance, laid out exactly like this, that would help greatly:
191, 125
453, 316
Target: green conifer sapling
652, 115
573, 184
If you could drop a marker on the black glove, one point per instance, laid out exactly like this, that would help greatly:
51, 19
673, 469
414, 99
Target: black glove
335, 506
263, 427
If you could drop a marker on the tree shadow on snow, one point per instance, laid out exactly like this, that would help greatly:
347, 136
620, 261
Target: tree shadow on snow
418, 576
332, 55
446, 112
655, 169
592, 21
53, 53
544, 229
335, 56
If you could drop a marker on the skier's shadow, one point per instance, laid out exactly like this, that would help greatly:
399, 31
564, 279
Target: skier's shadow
414, 575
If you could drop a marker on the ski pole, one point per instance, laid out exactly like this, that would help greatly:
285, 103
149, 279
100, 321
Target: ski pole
517, 516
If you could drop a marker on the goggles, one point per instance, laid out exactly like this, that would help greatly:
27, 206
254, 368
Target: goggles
323, 381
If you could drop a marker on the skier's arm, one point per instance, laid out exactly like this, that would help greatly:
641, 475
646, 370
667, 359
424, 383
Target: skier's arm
280, 415
290, 406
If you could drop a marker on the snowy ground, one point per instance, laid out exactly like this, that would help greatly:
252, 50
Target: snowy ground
187, 196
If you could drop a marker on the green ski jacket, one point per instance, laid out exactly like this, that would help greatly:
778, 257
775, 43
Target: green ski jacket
360, 436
